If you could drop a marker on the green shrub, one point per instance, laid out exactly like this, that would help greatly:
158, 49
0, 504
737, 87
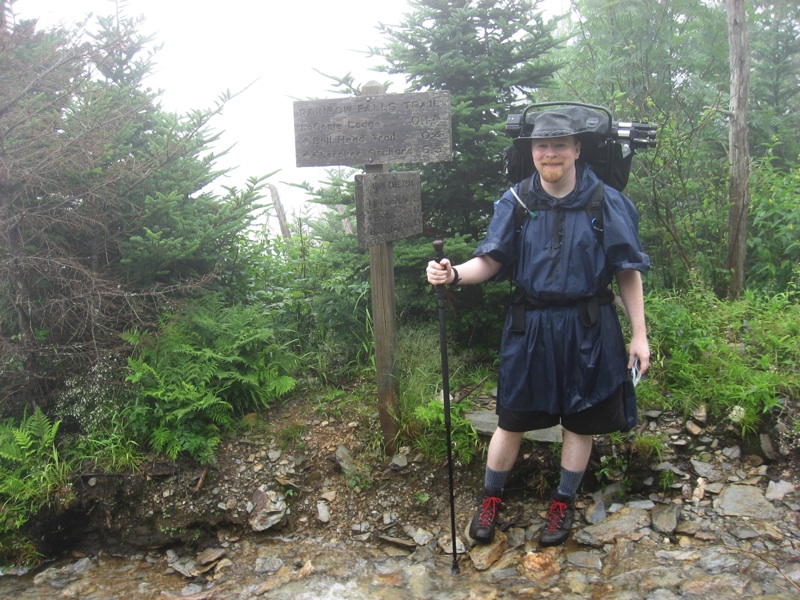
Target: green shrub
739, 358
773, 241
202, 369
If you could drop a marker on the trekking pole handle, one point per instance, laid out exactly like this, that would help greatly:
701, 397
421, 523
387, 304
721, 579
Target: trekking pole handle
438, 247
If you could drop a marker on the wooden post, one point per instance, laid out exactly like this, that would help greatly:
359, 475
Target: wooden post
379, 128
384, 310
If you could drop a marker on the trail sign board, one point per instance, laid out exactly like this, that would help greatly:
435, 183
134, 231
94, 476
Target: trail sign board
373, 129
388, 207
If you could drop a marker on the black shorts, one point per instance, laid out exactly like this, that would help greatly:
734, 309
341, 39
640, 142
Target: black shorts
606, 417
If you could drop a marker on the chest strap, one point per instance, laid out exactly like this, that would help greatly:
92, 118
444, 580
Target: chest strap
588, 308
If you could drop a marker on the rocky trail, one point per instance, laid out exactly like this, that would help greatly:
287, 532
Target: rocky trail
317, 515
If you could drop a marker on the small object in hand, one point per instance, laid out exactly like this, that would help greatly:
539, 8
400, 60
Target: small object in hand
636, 374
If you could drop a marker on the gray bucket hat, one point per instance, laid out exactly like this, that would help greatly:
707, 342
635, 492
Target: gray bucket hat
584, 123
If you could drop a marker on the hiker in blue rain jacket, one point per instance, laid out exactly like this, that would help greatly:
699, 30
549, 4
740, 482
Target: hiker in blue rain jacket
563, 356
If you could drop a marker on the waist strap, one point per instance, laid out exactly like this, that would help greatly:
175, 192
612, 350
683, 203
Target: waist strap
588, 308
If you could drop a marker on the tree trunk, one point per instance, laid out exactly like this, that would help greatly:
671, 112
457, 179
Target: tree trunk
739, 153
280, 213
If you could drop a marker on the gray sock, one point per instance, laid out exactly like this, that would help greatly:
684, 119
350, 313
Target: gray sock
570, 481
494, 482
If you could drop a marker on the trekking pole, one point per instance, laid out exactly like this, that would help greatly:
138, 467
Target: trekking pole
438, 246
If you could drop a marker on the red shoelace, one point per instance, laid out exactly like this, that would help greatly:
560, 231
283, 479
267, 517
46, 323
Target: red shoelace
488, 511
556, 515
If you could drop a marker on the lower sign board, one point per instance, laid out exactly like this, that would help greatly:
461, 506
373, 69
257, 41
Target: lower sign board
388, 207
371, 130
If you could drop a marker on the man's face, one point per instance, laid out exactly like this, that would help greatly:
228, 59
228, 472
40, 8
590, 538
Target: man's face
553, 157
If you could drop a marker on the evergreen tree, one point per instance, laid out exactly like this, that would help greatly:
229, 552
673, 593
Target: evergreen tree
775, 86
666, 63
103, 208
491, 56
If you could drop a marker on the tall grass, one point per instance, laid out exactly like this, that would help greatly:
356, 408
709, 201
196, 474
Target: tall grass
740, 358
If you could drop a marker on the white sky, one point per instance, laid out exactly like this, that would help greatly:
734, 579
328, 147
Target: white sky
209, 48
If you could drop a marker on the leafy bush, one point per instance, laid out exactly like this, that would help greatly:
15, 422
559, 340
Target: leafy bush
203, 367
739, 358
774, 237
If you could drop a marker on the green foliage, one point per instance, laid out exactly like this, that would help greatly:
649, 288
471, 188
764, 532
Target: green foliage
428, 430
91, 409
648, 446
475, 313
32, 475
739, 358
204, 366
489, 55
773, 241
666, 479
118, 220
421, 418
775, 73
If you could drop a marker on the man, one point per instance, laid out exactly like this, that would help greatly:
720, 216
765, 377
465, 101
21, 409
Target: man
563, 356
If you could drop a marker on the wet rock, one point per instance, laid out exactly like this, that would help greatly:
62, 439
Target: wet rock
665, 518
540, 567
724, 585
732, 452
284, 576
403, 542
345, 461
269, 510
185, 566
446, 545
693, 428
767, 447
699, 491
596, 513
420, 536
484, 556
59, 577
268, 564
641, 504
705, 470
399, 462
210, 555
744, 501
585, 560
717, 560
776, 490
700, 413
608, 494
323, 514
622, 525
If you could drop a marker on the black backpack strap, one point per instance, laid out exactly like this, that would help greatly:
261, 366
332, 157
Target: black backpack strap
595, 210
520, 212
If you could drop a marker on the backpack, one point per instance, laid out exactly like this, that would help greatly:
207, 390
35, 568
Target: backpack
607, 146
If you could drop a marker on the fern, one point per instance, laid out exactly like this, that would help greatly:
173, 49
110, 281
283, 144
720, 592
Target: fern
32, 474
202, 369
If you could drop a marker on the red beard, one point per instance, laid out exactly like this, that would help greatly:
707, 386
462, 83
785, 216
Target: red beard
552, 173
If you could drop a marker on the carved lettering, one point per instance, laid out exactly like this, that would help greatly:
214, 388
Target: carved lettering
390, 128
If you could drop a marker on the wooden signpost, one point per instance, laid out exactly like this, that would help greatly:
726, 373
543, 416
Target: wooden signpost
373, 130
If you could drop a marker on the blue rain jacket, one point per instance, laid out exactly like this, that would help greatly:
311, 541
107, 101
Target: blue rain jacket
558, 365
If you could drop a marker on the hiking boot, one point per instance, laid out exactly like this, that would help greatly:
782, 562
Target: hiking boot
482, 527
559, 520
